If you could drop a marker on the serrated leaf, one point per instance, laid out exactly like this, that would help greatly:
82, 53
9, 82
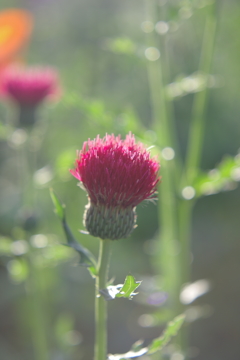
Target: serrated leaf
86, 257
129, 286
125, 290
172, 329
59, 208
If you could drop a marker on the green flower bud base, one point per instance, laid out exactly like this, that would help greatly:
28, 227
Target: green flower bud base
109, 222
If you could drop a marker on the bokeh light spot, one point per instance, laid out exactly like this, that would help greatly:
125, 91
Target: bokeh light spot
168, 153
147, 26
188, 192
152, 53
39, 241
161, 27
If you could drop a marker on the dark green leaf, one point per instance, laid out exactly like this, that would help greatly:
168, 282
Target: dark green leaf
86, 257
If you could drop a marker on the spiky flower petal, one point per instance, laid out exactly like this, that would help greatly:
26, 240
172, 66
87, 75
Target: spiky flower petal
29, 86
117, 175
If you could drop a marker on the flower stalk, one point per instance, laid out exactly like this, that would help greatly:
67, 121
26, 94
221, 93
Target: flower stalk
117, 174
196, 132
162, 124
100, 302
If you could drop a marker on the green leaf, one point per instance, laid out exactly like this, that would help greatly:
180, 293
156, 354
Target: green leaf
86, 257
156, 345
121, 45
223, 178
5, 246
172, 329
18, 270
125, 290
59, 208
129, 286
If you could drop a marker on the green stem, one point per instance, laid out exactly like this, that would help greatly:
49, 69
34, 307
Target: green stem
35, 288
100, 302
196, 132
167, 263
195, 143
38, 315
185, 220
194, 151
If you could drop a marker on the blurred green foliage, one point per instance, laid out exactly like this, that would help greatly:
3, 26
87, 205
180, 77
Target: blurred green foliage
98, 48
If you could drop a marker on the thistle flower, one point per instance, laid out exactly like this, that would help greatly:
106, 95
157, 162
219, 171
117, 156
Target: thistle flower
117, 175
28, 88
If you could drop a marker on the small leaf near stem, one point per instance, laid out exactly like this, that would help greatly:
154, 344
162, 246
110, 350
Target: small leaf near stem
130, 285
125, 290
86, 257
59, 207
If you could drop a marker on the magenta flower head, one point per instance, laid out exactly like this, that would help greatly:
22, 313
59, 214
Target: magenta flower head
28, 87
117, 175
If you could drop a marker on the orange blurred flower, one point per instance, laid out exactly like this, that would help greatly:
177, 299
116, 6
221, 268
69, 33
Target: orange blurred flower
15, 30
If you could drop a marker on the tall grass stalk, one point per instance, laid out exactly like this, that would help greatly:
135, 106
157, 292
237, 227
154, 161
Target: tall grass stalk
195, 140
175, 212
35, 297
34, 284
162, 124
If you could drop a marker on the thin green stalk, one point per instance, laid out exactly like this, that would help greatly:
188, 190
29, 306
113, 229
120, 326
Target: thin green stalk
100, 302
196, 132
35, 291
195, 143
194, 152
37, 313
185, 220
167, 263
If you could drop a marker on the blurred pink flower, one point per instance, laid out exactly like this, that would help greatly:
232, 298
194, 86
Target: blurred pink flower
29, 86
117, 175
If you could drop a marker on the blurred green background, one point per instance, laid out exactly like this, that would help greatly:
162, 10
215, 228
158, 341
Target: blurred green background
98, 47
